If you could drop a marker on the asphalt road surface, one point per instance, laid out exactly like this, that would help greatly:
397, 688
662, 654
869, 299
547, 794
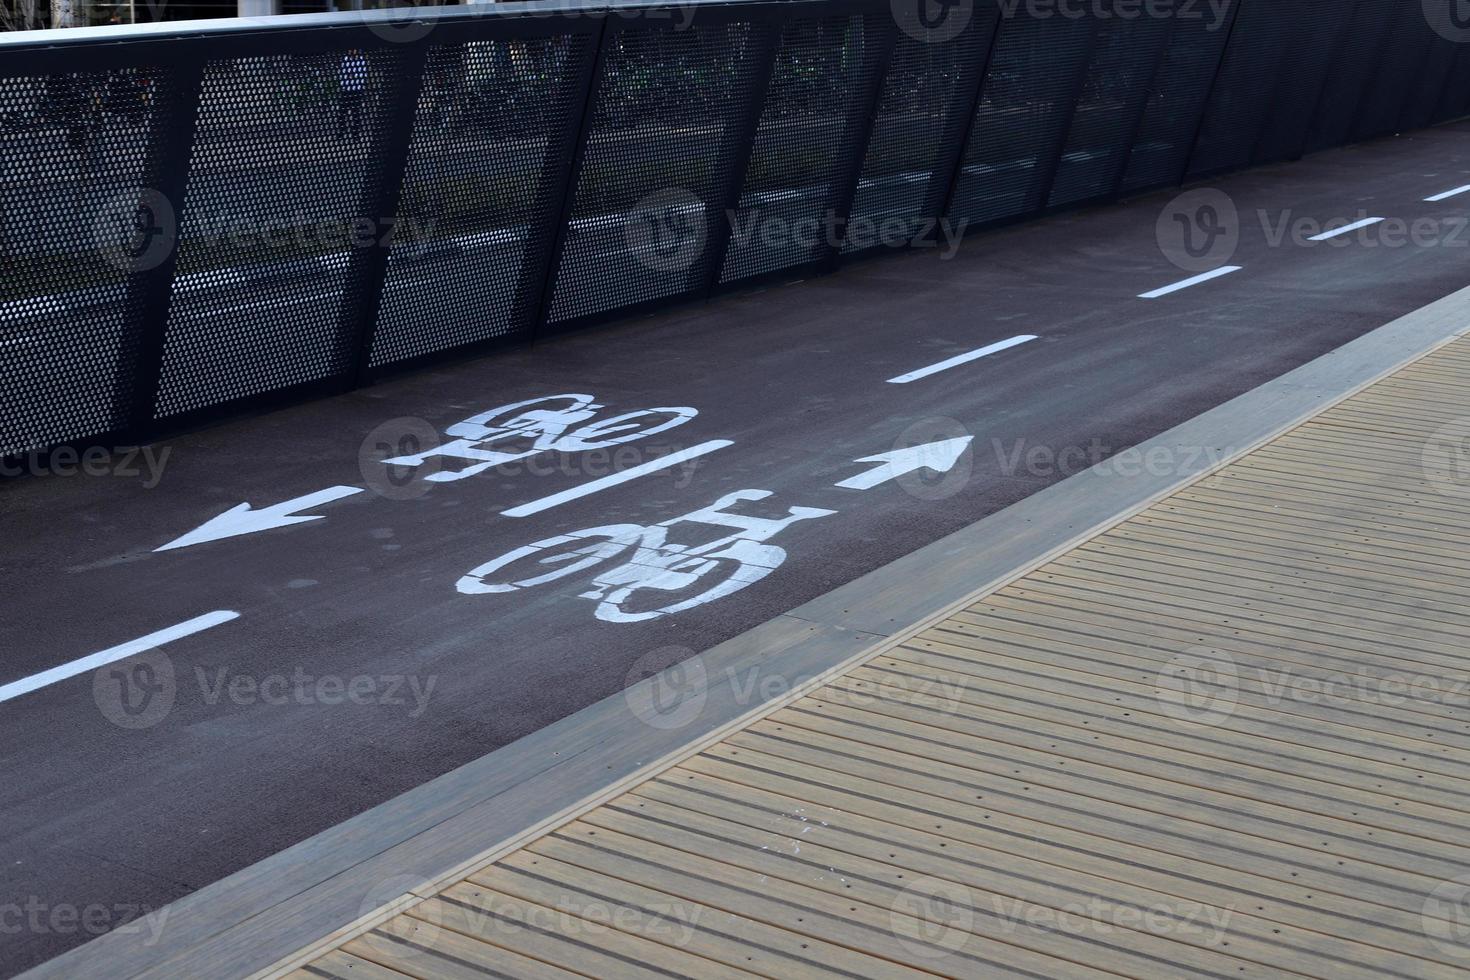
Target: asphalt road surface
353, 657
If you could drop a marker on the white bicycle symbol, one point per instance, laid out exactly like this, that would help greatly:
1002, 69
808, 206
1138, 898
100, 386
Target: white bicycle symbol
547, 428
732, 562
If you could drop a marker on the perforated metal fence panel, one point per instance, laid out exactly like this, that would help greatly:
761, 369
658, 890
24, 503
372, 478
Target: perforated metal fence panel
1455, 99
201, 220
1176, 98
284, 165
1352, 70
656, 162
76, 218
1025, 104
1422, 100
480, 193
1242, 95
1125, 55
807, 125
1401, 65
923, 110
1314, 37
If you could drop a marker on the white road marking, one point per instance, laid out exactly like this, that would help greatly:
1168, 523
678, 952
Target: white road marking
612, 480
1224, 270
959, 359
1448, 194
733, 562
571, 428
46, 677
244, 520
937, 456
1344, 229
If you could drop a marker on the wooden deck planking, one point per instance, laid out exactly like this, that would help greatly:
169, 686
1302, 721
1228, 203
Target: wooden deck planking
942, 806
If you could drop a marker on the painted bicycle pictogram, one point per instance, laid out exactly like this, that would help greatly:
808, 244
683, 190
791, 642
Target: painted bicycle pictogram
634, 560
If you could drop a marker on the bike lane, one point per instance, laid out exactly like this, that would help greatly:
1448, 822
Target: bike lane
110, 806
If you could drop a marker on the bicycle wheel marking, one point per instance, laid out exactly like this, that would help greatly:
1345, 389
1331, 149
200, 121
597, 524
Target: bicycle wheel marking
650, 568
553, 423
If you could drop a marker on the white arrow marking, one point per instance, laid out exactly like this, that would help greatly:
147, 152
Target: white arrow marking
243, 520
937, 456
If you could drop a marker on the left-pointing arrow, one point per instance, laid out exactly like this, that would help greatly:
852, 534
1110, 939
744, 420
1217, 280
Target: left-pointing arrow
245, 520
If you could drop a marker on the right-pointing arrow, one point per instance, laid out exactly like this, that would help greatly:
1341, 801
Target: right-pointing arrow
939, 457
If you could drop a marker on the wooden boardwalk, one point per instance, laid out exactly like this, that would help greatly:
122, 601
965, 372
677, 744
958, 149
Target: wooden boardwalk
1228, 737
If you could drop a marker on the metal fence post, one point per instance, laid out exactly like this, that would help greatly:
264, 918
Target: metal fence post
739, 144
1204, 106
857, 133
561, 166
1425, 56
961, 123
368, 264
1042, 193
1339, 43
1141, 113
1440, 114
1371, 69
169, 155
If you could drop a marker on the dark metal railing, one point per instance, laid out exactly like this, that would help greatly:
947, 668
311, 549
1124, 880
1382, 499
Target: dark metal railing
200, 220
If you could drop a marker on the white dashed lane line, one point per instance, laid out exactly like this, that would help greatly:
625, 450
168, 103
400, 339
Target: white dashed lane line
1224, 270
133, 647
1447, 194
623, 476
1345, 229
964, 358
